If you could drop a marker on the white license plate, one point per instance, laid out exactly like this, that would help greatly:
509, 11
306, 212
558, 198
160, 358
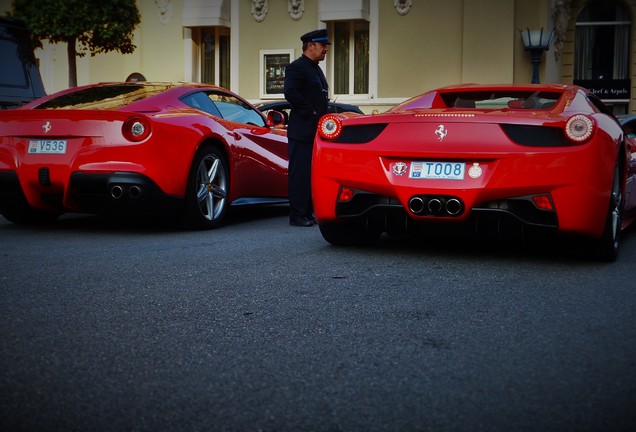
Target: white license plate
47, 146
437, 170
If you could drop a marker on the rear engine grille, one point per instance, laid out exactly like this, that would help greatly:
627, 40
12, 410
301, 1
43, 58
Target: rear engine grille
536, 136
360, 134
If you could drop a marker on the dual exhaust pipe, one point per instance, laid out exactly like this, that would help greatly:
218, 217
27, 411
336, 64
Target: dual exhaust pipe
120, 191
436, 205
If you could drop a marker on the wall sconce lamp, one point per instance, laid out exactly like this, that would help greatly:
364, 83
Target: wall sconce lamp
536, 41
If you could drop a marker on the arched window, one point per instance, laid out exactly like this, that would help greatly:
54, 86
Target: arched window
601, 50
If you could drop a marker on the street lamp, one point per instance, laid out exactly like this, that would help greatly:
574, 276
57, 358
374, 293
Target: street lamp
536, 41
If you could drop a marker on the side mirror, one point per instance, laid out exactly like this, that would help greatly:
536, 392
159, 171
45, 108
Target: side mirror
275, 119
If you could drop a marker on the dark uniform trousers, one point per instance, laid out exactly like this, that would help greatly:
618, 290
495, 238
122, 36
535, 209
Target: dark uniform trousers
307, 92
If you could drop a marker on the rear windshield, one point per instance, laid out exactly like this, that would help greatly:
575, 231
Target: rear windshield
501, 99
104, 97
484, 99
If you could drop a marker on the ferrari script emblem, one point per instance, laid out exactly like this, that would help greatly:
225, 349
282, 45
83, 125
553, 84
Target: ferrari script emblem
46, 127
441, 132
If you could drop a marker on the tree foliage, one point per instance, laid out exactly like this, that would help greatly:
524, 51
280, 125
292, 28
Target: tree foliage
86, 26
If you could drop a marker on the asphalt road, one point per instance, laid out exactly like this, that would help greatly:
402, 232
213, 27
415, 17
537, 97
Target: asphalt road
259, 326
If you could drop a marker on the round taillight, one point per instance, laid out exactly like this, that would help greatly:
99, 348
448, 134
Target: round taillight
579, 128
330, 126
136, 129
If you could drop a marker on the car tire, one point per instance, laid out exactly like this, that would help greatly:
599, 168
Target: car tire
349, 234
606, 248
206, 194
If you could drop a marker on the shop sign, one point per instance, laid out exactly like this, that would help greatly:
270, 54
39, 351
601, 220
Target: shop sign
607, 89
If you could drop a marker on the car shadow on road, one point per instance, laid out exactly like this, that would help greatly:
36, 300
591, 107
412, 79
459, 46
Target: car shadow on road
575, 251
245, 214
147, 223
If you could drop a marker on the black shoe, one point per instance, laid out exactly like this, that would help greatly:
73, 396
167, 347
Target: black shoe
300, 221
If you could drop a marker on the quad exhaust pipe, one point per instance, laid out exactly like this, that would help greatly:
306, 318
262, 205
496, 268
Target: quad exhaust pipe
436, 205
416, 205
454, 206
134, 192
118, 192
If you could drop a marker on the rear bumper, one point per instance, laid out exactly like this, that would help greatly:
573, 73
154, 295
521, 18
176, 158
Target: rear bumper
511, 218
119, 192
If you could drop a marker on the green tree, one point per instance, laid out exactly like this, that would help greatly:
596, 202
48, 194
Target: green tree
86, 26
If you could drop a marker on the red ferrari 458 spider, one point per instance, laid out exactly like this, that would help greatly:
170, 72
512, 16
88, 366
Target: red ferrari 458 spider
506, 161
163, 149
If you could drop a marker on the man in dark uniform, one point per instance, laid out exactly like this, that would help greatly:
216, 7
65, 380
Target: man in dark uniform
307, 92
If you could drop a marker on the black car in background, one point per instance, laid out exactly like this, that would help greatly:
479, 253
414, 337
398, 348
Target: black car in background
283, 107
20, 80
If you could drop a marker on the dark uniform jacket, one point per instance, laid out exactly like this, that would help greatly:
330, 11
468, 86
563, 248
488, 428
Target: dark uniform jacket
307, 91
